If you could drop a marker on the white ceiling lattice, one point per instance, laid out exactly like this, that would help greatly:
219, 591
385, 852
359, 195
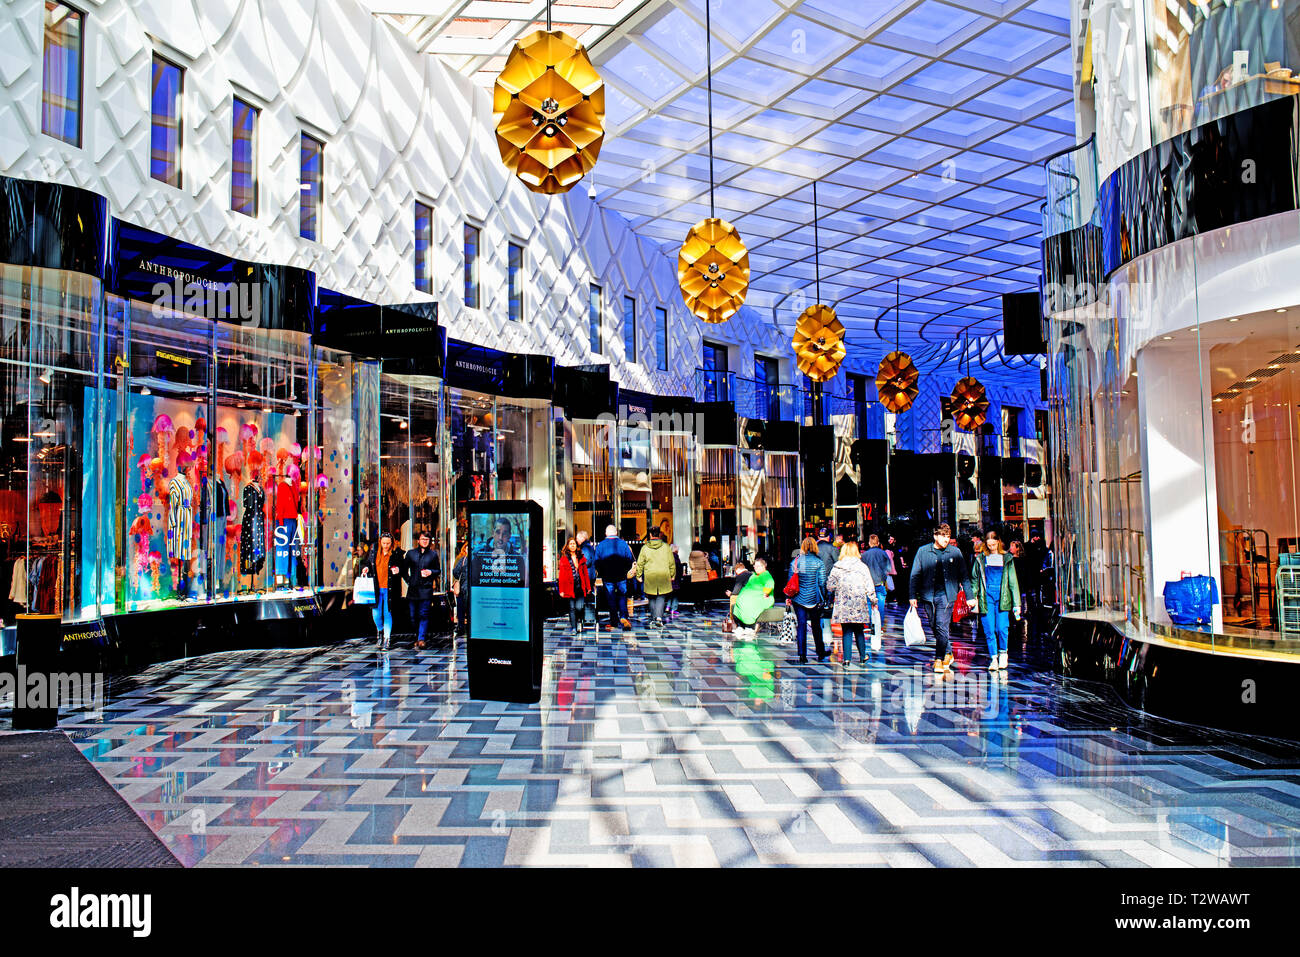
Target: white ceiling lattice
924, 122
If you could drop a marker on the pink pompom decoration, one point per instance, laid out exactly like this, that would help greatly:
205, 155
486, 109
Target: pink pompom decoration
247, 431
281, 454
145, 502
184, 461
292, 473
222, 436
295, 450
163, 423
201, 425
267, 445
322, 481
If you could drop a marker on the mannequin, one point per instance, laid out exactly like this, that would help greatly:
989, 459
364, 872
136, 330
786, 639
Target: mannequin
180, 523
252, 532
288, 536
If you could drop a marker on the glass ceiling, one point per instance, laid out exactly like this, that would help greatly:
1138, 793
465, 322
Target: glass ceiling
924, 122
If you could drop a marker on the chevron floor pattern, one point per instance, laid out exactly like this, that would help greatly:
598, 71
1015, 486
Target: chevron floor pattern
676, 748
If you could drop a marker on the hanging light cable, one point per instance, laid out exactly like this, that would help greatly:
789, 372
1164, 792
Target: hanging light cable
897, 377
818, 341
713, 265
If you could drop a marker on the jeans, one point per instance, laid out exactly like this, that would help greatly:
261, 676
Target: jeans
810, 616
878, 616
657, 604
616, 595
577, 610
420, 616
854, 632
940, 612
997, 626
383, 615
672, 603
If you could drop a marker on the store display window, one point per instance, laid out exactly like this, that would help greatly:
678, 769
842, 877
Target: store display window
50, 428
1207, 59
501, 446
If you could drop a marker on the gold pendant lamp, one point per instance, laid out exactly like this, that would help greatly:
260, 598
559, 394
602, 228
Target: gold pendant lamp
713, 265
818, 333
549, 104
970, 404
897, 377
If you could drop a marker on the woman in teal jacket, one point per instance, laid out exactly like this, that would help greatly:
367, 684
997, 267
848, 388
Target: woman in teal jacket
994, 574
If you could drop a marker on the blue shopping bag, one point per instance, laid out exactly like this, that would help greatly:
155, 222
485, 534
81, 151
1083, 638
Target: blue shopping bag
1191, 600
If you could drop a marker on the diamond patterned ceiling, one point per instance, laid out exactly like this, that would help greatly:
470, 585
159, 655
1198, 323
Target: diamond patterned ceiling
924, 122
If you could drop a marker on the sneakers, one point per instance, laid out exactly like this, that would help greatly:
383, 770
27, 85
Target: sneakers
939, 667
993, 665
947, 661
1002, 660
627, 625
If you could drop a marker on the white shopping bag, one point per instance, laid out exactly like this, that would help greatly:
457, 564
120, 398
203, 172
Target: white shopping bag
913, 633
876, 627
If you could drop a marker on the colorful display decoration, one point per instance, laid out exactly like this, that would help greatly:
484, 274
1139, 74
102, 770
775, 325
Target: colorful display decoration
549, 104
970, 406
713, 270
819, 343
896, 381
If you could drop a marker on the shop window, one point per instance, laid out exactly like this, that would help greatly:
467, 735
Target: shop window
767, 385
471, 266
423, 246
1011, 431
165, 132
411, 464
515, 281
661, 337
593, 320
629, 329
50, 427
1208, 60
311, 153
61, 73
243, 169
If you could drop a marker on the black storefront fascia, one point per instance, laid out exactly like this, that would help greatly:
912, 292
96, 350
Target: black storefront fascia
585, 392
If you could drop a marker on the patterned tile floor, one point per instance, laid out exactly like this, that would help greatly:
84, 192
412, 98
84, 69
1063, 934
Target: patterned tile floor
676, 748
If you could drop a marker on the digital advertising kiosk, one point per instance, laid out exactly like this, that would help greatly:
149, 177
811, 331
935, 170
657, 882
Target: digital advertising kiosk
506, 596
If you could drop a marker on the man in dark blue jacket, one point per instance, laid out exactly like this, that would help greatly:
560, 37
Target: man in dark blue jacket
614, 560
939, 572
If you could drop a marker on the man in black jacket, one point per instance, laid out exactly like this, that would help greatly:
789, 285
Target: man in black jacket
939, 572
420, 569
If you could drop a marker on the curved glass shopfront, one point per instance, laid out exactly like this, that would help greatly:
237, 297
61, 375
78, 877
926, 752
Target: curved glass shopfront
1176, 403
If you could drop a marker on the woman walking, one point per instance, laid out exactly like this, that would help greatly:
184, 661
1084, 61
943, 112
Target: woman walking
574, 582
387, 566
807, 610
854, 589
460, 588
995, 592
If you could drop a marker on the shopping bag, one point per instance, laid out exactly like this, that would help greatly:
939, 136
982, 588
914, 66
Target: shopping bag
960, 608
876, 627
363, 590
789, 627
913, 633
792, 586
828, 636
1191, 599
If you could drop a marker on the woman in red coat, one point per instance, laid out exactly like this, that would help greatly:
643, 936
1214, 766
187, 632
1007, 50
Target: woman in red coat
573, 568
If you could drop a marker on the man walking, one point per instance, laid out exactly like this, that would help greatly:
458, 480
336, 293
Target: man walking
826, 551
939, 572
419, 567
614, 561
877, 562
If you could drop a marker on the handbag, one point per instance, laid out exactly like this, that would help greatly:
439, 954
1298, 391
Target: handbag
960, 609
363, 590
713, 575
1190, 600
728, 625
792, 586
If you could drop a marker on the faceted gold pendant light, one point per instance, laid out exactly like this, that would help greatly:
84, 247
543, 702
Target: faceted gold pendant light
713, 270
549, 104
713, 265
970, 406
819, 343
818, 333
896, 381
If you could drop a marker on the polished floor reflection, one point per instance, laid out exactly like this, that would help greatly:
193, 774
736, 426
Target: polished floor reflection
677, 748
